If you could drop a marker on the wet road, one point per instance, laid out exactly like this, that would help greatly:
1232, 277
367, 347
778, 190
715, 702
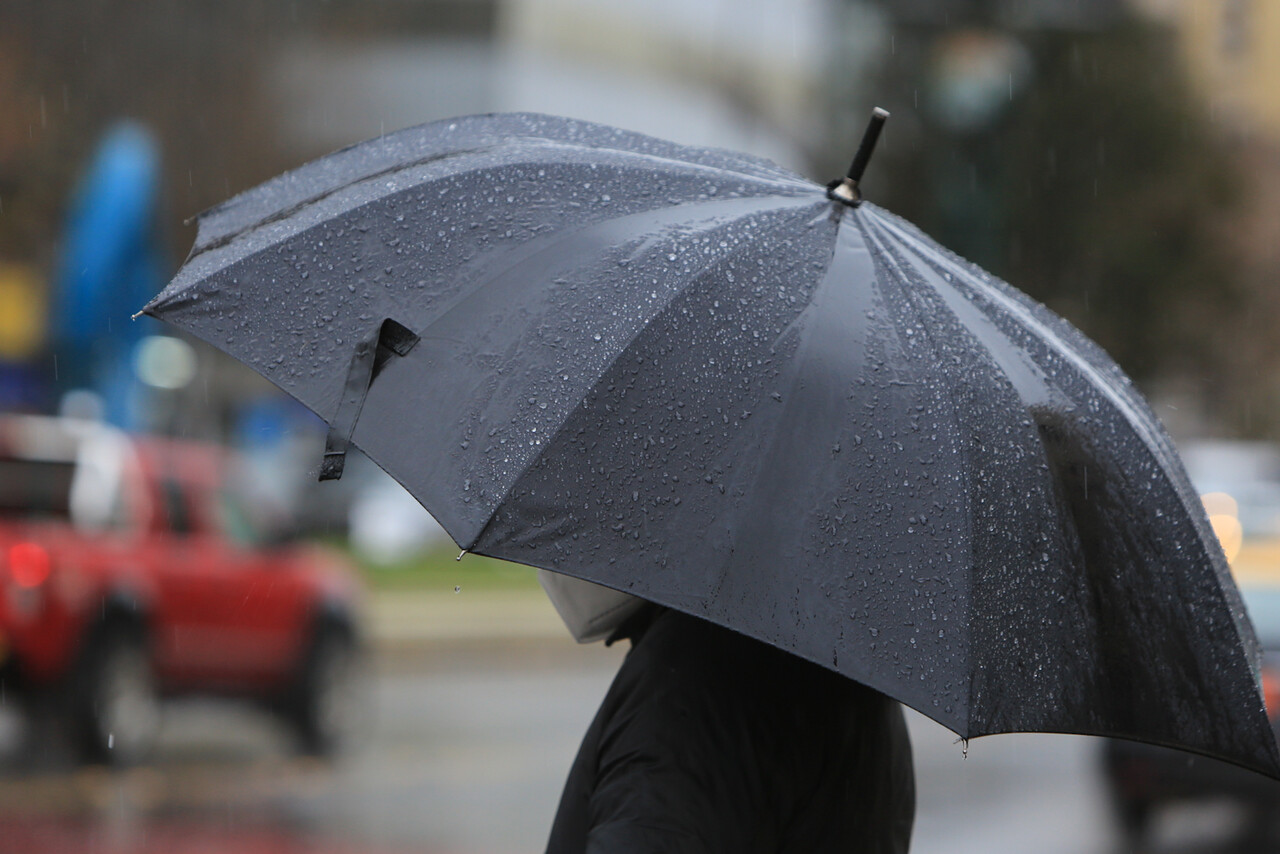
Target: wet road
466, 753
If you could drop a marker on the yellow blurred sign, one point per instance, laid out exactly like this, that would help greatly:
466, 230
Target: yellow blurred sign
22, 312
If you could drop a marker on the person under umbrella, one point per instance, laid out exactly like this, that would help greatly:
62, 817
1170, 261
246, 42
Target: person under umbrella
711, 741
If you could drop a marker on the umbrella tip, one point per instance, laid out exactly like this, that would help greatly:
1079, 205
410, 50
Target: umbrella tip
845, 190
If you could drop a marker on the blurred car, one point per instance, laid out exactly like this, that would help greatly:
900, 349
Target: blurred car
1240, 482
134, 569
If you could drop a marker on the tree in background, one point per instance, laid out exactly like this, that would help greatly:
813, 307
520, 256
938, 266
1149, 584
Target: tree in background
1075, 162
187, 71
1116, 190
194, 72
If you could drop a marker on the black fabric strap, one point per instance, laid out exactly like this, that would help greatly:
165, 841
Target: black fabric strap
367, 360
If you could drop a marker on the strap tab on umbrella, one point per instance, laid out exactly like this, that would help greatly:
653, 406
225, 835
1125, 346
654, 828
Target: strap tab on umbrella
367, 360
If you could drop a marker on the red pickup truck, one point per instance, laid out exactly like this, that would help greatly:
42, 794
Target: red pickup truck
133, 568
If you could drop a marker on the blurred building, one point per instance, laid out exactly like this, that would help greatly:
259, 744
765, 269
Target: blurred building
1232, 51
729, 74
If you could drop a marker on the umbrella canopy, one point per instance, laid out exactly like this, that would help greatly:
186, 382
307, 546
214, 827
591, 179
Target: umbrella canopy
690, 375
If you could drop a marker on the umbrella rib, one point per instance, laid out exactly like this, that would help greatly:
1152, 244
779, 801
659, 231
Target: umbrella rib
662, 310
347, 164
768, 458
894, 265
285, 213
334, 161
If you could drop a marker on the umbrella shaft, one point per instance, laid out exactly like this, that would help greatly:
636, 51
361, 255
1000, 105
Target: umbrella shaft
869, 139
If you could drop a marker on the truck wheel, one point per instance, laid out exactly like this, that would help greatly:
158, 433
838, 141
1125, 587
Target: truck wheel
116, 713
329, 702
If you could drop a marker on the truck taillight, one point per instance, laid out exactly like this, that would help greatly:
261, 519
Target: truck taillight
29, 564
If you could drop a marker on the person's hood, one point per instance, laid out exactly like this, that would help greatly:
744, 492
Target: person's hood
590, 611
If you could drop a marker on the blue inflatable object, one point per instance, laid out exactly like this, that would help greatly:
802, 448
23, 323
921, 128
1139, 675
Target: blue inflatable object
110, 265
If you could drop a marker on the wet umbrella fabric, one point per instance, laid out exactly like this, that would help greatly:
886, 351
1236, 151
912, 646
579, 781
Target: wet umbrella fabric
689, 375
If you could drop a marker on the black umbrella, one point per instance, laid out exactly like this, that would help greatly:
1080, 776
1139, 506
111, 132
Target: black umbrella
697, 377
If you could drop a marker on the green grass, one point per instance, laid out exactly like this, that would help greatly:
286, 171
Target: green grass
439, 569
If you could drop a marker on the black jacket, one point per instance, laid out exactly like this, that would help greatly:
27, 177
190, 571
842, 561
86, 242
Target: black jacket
709, 741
